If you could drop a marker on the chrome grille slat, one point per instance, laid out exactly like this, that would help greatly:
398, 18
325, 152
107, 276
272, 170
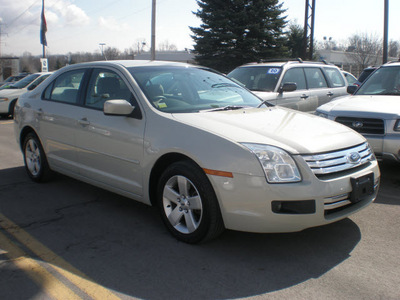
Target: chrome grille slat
327, 163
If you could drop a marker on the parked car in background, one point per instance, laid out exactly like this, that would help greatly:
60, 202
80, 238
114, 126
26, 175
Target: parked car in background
12, 79
9, 96
364, 75
350, 78
197, 145
294, 84
373, 111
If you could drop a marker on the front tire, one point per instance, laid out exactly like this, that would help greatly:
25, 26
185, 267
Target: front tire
35, 159
188, 205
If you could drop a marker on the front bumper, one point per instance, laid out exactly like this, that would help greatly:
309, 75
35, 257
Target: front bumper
247, 202
386, 147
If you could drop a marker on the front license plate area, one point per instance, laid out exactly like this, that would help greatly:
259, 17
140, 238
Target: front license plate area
363, 187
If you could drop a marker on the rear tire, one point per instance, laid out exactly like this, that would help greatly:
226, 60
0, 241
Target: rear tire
35, 160
188, 204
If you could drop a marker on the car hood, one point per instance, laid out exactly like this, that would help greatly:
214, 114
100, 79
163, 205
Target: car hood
296, 132
12, 92
365, 106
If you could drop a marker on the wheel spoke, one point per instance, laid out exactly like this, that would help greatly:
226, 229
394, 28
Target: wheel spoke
170, 194
195, 202
175, 216
191, 223
183, 186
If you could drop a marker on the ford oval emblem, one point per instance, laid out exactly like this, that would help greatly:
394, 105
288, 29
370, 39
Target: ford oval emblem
357, 124
354, 158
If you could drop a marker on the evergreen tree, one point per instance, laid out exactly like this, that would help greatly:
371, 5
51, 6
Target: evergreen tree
235, 32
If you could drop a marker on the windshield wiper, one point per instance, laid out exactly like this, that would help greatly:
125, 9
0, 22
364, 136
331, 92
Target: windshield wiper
226, 84
224, 108
266, 103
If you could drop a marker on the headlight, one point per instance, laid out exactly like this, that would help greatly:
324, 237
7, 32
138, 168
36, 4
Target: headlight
321, 114
278, 165
397, 126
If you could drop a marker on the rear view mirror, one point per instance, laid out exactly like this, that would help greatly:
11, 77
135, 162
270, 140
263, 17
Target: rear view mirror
288, 87
351, 89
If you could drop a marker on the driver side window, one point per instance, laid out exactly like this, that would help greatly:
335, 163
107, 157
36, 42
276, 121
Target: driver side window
105, 85
295, 75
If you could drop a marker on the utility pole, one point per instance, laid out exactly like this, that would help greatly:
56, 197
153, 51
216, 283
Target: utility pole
308, 39
385, 32
153, 31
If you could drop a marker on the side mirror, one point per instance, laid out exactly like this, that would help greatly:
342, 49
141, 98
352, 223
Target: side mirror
288, 87
351, 89
118, 107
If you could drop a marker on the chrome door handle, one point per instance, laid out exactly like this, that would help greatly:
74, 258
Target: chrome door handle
329, 94
304, 96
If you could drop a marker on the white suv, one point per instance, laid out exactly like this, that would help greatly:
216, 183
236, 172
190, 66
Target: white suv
294, 84
373, 110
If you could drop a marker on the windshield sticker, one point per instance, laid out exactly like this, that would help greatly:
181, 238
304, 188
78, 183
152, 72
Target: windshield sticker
273, 71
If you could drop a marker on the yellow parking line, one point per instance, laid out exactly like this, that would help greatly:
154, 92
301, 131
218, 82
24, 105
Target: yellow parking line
50, 284
75, 276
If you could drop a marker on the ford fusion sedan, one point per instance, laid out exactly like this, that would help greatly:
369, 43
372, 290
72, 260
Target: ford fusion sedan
373, 111
200, 147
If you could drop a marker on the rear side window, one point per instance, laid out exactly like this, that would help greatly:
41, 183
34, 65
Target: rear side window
335, 77
65, 87
315, 78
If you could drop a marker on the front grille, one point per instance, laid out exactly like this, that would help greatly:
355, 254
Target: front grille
363, 125
341, 160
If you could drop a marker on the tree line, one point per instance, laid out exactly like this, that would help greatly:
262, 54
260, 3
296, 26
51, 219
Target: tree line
234, 32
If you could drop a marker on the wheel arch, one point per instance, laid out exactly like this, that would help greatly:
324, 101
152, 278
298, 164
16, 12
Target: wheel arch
159, 167
24, 132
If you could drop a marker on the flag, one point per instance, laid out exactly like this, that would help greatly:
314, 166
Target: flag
43, 27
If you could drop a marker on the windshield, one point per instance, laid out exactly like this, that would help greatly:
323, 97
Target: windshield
384, 81
260, 78
25, 81
177, 89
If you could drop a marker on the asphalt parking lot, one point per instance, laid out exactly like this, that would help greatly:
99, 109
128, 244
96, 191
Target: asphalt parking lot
68, 240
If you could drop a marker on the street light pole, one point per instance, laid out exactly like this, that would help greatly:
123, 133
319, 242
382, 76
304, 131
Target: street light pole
153, 31
385, 32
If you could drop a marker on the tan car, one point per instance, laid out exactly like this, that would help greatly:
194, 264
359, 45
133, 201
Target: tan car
299, 85
195, 144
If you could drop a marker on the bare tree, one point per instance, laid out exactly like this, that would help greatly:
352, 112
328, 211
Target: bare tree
166, 46
394, 48
111, 53
365, 49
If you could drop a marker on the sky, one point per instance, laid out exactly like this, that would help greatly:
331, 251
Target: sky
82, 25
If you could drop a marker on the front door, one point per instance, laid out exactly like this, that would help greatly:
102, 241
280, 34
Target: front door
110, 148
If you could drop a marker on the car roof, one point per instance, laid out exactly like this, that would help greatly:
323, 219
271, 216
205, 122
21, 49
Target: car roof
280, 63
132, 63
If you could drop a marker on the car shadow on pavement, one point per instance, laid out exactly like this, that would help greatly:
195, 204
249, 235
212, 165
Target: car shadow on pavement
122, 245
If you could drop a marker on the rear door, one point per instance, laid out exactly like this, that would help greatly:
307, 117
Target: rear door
318, 86
57, 120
